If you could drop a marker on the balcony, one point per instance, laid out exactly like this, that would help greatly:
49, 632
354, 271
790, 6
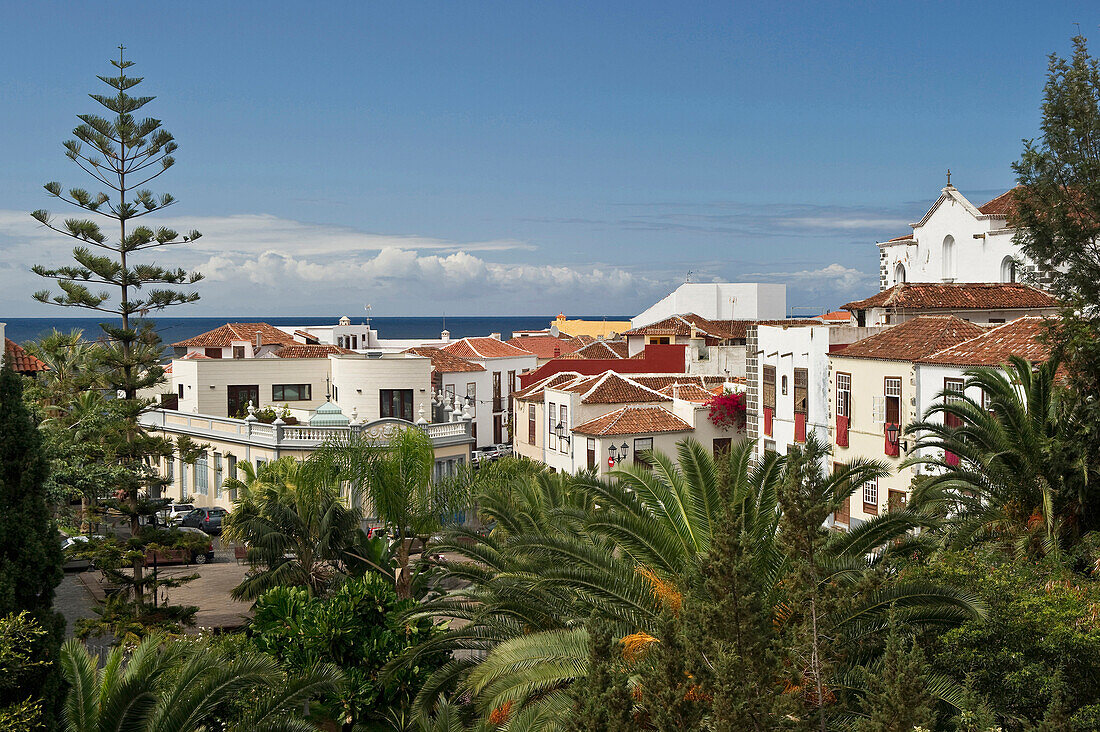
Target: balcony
206, 427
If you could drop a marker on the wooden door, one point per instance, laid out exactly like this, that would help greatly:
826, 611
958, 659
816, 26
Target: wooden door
239, 395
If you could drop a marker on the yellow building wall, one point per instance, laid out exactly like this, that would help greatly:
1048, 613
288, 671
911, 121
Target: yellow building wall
866, 437
591, 328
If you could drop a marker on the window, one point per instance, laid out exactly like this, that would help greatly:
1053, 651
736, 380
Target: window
892, 393
202, 475
396, 403
1008, 269
659, 340
212, 352
769, 387
335, 393
642, 445
801, 391
496, 393
218, 474
471, 394
551, 421
179, 390
870, 496
170, 472
949, 258
899, 273
291, 392
498, 428
530, 424
783, 385
564, 416
238, 351
183, 479
238, 396
844, 395
591, 445
231, 464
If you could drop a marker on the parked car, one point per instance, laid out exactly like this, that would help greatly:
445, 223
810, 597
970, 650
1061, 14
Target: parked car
69, 546
173, 513
207, 519
197, 556
501, 449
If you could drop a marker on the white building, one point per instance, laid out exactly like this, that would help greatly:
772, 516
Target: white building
957, 242
569, 421
787, 381
719, 301
490, 391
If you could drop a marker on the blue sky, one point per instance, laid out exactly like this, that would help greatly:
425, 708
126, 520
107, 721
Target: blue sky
526, 158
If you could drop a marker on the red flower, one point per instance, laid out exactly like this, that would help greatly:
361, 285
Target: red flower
728, 410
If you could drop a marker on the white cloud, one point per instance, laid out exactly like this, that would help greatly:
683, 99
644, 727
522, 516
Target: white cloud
830, 277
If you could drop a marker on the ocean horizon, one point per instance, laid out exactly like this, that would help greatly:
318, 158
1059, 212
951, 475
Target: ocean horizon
172, 330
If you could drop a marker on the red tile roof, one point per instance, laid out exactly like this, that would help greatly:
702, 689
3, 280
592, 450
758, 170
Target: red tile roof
914, 339
21, 361
957, 296
660, 381
903, 237
484, 348
611, 388
712, 330
309, 350
634, 421
533, 392
545, 346
226, 334
1018, 337
688, 392
1002, 205
837, 316
445, 363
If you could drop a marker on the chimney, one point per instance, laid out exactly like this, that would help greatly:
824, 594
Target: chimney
259, 341
495, 336
557, 351
445, 336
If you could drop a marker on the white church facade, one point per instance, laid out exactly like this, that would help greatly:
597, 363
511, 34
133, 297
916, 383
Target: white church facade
957, 241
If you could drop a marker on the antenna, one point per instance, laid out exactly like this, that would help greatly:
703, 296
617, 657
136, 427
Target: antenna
367, 308
688, 277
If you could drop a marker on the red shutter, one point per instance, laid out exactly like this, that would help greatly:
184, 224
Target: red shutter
768, 413
841, 430
950, 458
799, 427
892, 448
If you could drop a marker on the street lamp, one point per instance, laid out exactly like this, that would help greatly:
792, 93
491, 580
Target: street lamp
559, 432
617, 455
893, 431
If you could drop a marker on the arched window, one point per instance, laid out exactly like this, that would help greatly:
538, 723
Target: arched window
899, 274
949, 258
1008, 269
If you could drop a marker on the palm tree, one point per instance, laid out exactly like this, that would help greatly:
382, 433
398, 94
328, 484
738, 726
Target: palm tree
178, 686
296, 524
1011, 468
395, 478
567, 547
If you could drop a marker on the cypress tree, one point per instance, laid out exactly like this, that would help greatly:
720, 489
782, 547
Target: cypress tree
897, 698
30, 547
603, 701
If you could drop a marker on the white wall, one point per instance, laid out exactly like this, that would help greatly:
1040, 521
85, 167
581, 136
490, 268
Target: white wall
719, 301
205, 381
976, 260
786, 349
359, 380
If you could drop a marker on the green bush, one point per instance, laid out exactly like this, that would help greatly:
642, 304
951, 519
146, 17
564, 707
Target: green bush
1040, 642
359, 630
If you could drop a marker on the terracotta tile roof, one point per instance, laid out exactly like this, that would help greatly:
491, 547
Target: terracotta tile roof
309, 350
306, 337
197, 356
611, 388
1002, 205
484, 348
634, 421
445, 363
837, 316
958, 296
903, 237
226, 334
545, 346
688, 392
533, 392
914, 339
21, 361
682, 324
660, 381
599, 350
1015, 338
